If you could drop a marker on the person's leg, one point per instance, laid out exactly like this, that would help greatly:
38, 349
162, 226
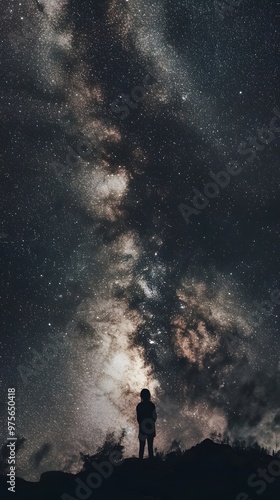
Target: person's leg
141, 447
150, 446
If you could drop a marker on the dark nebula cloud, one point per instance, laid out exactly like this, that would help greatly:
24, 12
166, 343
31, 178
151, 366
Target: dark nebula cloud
41, 454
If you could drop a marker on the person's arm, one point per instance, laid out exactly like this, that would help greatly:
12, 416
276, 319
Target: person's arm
155, 415
138, 414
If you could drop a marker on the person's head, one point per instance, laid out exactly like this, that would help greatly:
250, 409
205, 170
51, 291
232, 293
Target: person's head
145, 395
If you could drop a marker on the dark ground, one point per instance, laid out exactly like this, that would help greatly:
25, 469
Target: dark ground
208, 471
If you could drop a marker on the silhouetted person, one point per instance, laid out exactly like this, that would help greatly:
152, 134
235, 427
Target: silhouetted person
146, 417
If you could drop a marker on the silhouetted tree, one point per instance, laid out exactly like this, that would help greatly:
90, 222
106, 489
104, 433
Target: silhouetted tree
103, 452
174, 450
159, 454
213, 436
225, 439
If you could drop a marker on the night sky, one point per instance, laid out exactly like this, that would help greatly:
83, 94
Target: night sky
114, 115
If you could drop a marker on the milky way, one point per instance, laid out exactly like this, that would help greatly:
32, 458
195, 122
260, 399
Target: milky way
113, 112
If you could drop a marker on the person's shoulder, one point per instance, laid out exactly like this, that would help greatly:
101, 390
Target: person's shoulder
152, 404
